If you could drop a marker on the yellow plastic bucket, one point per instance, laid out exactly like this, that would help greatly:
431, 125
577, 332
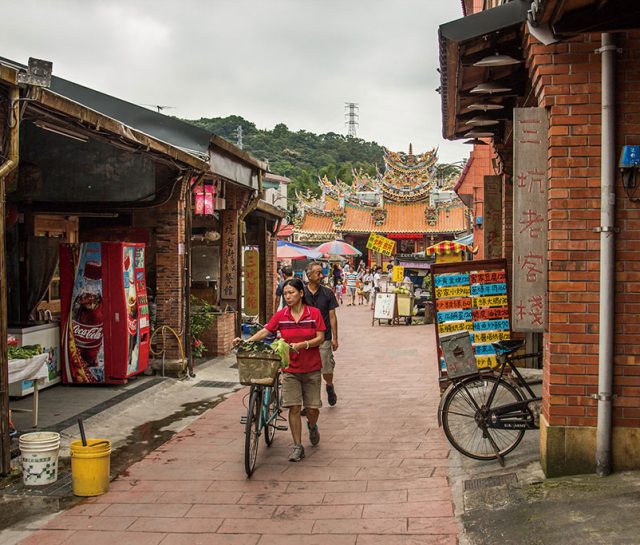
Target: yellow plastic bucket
90, 467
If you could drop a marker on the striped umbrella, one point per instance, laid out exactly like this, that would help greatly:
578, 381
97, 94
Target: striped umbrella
291, 250
338, 247
448, 247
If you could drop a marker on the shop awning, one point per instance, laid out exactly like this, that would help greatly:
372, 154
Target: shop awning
464, 42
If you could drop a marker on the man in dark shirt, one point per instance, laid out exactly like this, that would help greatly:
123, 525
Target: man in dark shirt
321, 297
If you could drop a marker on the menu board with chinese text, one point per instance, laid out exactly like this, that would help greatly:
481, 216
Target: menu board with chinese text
473, 296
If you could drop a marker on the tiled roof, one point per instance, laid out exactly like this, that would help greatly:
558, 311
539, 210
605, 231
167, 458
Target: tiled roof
401, 218
314, 223
404, 218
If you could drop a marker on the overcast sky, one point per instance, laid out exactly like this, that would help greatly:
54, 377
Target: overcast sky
271, 61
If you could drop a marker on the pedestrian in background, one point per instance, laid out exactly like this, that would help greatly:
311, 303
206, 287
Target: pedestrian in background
321, 297
287, 274
351, 283
303, 328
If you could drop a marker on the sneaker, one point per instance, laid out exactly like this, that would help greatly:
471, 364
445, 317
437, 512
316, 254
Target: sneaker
331, 395
297, 453
314, 434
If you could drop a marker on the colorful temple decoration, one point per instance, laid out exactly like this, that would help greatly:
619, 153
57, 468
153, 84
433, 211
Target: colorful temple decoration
406, 203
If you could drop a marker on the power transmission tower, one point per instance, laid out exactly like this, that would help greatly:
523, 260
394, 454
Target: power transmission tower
351, 117
238, 132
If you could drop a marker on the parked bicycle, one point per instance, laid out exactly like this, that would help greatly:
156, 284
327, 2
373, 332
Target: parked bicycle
261, 371
485, 416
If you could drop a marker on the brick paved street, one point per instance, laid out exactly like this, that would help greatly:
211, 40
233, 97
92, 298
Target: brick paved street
378, 476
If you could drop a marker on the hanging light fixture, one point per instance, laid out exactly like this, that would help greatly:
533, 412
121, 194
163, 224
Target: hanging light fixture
481, 121
497, 60
489, 88
478, 134
485, 106
476, 142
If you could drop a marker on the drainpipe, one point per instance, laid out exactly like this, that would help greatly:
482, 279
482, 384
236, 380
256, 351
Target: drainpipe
607, 259
6, 168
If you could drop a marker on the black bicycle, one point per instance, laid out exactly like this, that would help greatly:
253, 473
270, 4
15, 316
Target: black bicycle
485, 416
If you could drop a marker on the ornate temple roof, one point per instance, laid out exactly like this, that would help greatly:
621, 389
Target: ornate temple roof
398, 201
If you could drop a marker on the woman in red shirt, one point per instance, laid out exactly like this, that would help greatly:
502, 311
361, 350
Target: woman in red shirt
303, 328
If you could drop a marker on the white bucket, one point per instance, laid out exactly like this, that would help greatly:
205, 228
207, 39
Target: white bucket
39, 457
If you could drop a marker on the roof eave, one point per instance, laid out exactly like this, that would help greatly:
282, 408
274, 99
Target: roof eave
94, 120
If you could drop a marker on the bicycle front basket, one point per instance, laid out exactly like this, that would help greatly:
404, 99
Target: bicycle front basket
257, 367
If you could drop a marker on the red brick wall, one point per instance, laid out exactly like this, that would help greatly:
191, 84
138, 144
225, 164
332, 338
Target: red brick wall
166, 226
566, 80
221, 334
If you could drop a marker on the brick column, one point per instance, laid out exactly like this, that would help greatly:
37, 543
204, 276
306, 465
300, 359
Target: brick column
170, 263
566, 78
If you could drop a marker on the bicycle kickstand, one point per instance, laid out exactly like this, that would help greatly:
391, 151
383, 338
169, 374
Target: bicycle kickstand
495, 448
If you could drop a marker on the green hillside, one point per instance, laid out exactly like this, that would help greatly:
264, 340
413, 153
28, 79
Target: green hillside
301, 156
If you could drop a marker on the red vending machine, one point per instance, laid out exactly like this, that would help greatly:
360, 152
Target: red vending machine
104, 312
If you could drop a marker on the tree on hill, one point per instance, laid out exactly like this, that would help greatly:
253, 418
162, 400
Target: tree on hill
300, 155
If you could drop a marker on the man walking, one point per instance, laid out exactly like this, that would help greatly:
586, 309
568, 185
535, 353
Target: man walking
321, 297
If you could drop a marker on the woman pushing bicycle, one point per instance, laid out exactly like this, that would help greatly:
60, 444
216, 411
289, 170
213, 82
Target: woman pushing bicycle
303, 328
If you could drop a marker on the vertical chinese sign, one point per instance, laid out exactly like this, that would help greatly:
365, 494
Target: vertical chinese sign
229, 258
492, 217
472, 296
251, 282
530, 143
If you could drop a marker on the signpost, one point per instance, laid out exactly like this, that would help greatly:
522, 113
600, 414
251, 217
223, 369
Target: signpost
229, 279
251, 282
492, 217
473, 297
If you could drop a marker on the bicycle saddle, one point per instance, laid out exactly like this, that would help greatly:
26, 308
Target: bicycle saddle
507, 347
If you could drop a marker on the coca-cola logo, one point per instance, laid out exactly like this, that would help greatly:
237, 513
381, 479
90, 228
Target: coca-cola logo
87, 335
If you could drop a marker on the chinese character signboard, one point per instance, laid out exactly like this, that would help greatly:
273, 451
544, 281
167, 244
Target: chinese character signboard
229, 257
380, 244
472, 296
492, 217
530, 143
397, 273
251, 282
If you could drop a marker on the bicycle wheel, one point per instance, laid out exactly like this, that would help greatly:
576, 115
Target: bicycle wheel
464, 413
272, 402
252, 430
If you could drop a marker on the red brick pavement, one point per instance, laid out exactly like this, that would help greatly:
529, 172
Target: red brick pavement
378, 476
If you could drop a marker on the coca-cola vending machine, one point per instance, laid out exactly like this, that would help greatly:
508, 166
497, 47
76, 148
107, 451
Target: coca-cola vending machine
104, 312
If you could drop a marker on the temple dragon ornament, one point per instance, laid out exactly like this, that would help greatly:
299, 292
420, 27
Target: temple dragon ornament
407, 201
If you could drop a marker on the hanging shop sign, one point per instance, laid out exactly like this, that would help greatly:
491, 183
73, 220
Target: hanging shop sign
229, 279
251, 282
492, 217
380, 244
473, 297
530, 143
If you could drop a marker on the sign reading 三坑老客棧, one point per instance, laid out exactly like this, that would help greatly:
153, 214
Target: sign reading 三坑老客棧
473, 296
530, 150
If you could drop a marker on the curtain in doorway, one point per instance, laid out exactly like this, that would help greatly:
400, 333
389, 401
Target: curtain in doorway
42, 259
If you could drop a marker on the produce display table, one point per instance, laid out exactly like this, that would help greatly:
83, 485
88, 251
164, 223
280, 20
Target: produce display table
30, 369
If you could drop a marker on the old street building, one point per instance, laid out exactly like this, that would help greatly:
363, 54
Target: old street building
80, 165
551, 87
405, 203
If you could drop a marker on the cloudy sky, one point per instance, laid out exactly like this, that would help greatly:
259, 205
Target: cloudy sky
271, 61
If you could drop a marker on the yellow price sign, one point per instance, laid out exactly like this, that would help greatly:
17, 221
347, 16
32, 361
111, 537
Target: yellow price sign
397, 274
380, 244
490, 301
486, 361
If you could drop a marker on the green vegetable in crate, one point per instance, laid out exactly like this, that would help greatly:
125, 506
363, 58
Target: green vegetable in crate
24, 352
255, 346
282, 349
